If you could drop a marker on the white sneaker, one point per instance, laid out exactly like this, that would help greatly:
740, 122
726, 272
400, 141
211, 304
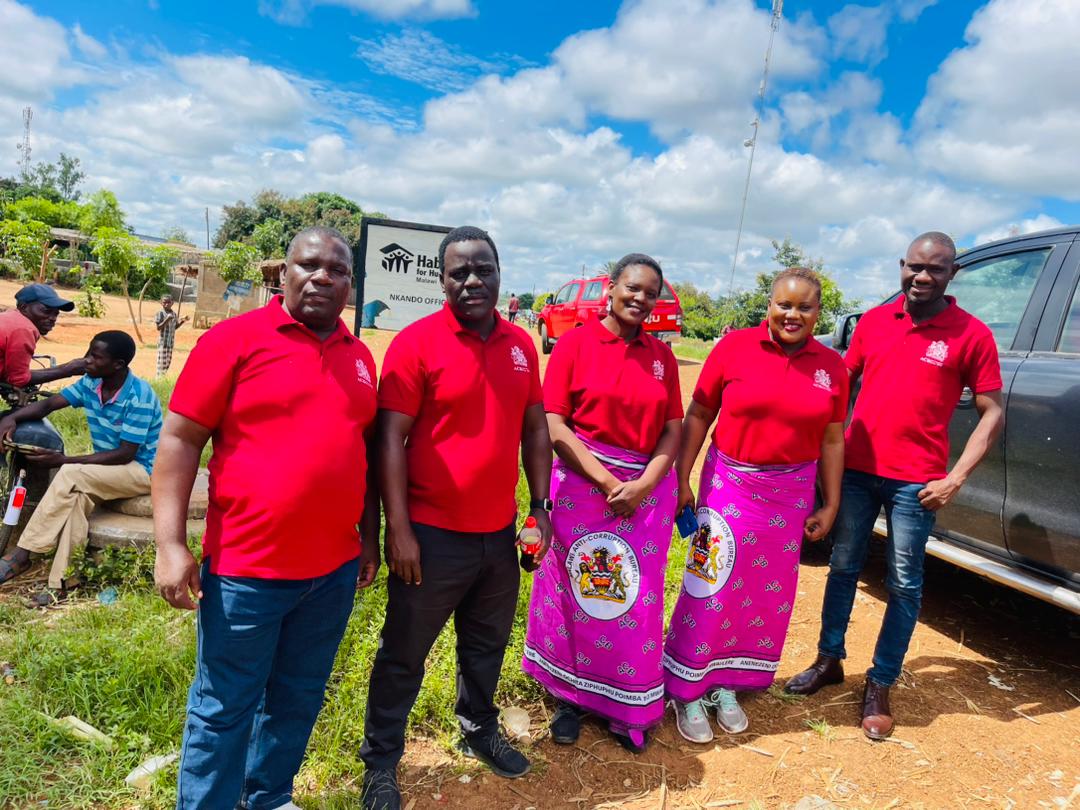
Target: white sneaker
729, 714
692, 721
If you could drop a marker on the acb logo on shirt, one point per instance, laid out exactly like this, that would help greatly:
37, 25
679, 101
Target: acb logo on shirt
362, 373
517, 356
936, 353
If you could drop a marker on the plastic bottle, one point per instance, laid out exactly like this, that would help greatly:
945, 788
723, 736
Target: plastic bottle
529, 539
16, 501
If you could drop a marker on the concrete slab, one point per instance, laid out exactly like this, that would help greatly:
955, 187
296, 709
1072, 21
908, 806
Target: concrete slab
140, 505
108, 528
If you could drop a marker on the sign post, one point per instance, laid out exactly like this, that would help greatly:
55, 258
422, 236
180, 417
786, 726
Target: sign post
397, 273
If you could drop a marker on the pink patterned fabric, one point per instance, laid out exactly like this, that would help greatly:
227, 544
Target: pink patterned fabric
740, 577
597, 612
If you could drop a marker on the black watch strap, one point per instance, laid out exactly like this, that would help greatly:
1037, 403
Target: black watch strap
542, 503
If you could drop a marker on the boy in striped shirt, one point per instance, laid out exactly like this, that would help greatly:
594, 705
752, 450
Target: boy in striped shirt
124, 416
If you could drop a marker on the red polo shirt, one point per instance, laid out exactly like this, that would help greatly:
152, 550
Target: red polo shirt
615, 392
912, 378
468, 398
288, 414
18, 339
774, 407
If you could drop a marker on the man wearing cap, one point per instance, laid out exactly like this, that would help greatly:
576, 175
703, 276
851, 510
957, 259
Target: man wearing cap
37, 306
124, 416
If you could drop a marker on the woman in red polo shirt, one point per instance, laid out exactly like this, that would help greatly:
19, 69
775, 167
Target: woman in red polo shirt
613, 405
782, 399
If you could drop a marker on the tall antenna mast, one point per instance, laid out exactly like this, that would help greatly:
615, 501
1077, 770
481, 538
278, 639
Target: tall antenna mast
751, 142
24, 147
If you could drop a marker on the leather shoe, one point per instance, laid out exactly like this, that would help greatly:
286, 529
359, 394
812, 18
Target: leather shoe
877, 721
825, 671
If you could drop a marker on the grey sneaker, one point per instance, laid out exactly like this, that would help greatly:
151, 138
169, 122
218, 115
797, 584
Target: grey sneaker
692, 721
729, 714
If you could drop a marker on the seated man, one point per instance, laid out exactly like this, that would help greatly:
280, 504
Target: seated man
37, 306
124, 415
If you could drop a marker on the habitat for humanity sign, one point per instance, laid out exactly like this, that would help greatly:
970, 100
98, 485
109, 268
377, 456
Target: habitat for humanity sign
397, 273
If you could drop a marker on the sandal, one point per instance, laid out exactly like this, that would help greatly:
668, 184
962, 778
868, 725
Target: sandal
8, 569
48, 597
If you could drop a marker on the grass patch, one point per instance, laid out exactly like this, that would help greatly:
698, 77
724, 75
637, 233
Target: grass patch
692, 348
777, 691
821, 727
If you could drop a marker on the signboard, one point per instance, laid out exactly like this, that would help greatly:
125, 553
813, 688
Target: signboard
397, 273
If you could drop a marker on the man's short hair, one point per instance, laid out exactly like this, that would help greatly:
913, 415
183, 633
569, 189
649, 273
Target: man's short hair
938, 238
318, 230
466, 233
118, 345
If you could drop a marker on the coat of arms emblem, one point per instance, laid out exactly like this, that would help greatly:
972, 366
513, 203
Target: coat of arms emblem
658, 369
822, 379
362, 373
518, 358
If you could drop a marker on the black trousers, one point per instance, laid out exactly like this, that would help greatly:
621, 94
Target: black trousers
473, 577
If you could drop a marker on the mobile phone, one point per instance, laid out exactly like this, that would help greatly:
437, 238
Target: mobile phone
686, 521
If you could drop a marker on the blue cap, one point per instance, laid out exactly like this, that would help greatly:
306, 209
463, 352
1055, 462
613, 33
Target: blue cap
44, 294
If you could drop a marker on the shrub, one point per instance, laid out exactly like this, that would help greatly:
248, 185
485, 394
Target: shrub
89, 304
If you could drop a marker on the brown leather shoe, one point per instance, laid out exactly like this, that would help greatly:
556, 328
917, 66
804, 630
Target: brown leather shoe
877, 721
825, 671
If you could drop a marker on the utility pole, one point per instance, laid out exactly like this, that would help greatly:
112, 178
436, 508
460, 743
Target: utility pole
751, 142
207, 211
24, 147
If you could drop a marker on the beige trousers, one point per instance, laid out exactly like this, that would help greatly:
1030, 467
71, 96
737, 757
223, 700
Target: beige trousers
61, 519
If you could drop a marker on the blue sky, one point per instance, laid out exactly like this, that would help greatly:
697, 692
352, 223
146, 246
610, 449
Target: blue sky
575, 132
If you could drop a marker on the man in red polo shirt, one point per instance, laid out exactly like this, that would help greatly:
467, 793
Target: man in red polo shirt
288, 396
460, 392
36, 309
915, 356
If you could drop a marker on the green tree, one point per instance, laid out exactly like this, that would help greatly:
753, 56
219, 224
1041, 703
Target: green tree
41, 209
701, 314
69, 177
27, 243
175, 233
540, 301
269, 238
102, 210
526, 301
117, 252
239, 262
153, 268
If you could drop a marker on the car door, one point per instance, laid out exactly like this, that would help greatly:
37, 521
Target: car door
562, 314
1005, 286
1042, 438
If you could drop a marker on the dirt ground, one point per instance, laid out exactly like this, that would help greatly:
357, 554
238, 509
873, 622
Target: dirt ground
988, 709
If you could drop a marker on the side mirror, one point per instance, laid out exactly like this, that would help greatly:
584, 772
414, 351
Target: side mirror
845, 328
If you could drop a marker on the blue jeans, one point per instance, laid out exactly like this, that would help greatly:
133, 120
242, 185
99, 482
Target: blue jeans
265, 649
909, 526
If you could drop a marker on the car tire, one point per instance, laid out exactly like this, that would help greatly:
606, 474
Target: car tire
545, 344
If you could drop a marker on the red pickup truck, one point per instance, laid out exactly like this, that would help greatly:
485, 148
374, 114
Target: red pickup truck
580, 300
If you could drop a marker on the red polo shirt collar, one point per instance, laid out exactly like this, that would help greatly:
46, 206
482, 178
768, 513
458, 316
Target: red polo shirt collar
281, 319
767, 338
607, 336
945, 318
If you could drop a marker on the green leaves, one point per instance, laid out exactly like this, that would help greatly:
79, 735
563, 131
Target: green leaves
239, 262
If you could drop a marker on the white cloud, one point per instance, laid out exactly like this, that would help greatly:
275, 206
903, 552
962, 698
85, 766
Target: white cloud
87, 45
524, 155
295, 11
859, 32
421, 57
1002, 111
34, 58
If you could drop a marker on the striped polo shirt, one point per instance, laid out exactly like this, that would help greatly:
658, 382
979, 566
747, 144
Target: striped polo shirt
132, 415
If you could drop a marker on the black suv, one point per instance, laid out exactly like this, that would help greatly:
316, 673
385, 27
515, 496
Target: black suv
1017, 519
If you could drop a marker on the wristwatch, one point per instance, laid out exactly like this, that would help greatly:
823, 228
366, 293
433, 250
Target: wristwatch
542, 503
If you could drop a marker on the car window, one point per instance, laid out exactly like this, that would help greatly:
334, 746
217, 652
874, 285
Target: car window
592, 291
1070, 335
564, 294
996, 290
666, 293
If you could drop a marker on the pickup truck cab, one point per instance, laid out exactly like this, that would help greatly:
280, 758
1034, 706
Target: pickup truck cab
582, 299
1017, 519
